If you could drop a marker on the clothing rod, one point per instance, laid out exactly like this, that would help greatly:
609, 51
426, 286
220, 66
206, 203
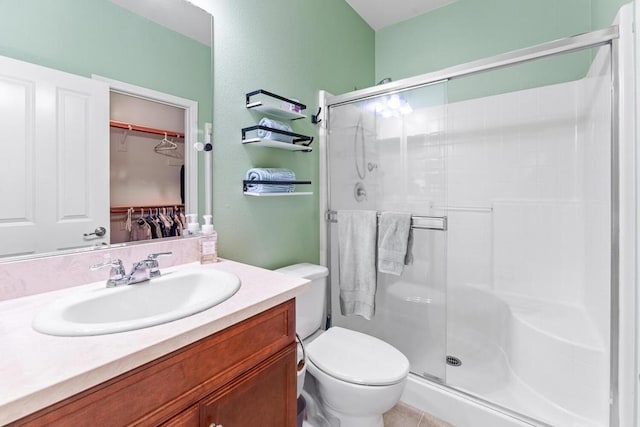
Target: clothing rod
125, 209
145, 129
569, 44
417, 222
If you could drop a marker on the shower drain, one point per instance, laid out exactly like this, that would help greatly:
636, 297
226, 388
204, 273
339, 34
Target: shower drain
453, 361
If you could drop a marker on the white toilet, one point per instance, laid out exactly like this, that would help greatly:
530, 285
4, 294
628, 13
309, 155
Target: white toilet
359, 377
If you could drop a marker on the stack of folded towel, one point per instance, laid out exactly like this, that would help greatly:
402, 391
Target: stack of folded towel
270, 174
274, 124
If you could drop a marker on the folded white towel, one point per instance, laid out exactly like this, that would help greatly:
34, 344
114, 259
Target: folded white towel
270, 174
357, 246
276, 125
393, 238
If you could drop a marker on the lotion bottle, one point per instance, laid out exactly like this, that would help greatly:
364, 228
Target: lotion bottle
208, 242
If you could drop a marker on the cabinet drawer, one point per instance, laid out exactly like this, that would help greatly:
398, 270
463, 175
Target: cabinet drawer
153, 393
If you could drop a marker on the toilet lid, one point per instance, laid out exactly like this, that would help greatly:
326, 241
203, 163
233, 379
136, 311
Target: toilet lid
357, 358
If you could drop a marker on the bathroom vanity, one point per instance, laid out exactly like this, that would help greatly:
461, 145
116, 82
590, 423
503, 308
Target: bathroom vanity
231, 365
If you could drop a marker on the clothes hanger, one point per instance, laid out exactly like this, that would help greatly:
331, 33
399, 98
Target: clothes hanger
166, 144
141, 220
169, 148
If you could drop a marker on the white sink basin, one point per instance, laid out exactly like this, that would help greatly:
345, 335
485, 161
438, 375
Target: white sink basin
102, 310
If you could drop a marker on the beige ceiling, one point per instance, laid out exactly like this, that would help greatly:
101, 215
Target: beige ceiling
381, 13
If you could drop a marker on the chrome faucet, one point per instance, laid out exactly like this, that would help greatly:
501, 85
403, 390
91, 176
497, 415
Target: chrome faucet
146, 269
140, 272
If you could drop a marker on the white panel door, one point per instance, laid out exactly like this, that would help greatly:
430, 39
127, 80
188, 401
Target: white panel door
54, 140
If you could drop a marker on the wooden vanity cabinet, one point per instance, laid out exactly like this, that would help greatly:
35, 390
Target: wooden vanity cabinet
256, 399
242, 376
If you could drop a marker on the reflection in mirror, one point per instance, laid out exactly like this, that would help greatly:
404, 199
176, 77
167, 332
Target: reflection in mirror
69, 71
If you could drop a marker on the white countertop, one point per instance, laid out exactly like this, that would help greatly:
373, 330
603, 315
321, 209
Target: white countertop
37, 370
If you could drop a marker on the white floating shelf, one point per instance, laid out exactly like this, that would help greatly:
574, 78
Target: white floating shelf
259, 142
299, 193
275, 111
274, 105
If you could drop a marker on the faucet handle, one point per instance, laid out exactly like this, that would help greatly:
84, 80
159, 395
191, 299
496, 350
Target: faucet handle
117, 274
153, 257
115, 264
152, 263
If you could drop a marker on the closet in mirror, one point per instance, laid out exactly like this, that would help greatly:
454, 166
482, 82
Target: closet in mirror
147, 156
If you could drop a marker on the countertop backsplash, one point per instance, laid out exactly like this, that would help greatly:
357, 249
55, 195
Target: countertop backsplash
33, 276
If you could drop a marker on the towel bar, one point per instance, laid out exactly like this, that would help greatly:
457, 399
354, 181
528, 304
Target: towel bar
417, 222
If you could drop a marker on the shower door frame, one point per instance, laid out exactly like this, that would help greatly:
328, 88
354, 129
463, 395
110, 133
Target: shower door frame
598, 38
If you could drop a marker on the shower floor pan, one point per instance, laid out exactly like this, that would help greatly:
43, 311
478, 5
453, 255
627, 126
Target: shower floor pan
551, 365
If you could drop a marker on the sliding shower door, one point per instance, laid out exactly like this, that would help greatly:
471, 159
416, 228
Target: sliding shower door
388, 153
528, 261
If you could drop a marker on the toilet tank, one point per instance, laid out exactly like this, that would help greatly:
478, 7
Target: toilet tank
311, 303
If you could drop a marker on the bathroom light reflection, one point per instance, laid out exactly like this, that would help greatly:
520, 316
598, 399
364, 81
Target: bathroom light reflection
390, 106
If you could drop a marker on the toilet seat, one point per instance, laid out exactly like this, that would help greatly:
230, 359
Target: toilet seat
357, 358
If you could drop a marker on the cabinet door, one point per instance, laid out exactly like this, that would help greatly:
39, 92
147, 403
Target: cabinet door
264, 396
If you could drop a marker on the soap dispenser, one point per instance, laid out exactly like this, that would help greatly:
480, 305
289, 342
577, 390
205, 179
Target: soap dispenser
208, 242
193, 228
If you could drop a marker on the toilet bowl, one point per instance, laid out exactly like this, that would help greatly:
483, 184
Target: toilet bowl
358, 377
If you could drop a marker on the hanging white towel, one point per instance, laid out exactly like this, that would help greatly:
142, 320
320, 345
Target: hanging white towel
393, 238
357, 245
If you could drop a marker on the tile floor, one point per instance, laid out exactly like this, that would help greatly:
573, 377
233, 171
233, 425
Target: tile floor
403, 415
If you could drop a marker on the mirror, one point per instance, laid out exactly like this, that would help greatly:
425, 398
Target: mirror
160, 46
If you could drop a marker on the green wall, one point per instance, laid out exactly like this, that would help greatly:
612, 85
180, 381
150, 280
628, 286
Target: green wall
604, 11
293, 48
468, 30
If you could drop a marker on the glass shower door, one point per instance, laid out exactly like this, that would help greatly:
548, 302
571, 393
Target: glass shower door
528, 275
387, 153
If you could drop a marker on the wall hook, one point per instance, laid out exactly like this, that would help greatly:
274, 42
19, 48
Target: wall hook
314, 117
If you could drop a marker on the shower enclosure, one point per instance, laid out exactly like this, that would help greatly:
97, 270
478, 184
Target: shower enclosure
509, 169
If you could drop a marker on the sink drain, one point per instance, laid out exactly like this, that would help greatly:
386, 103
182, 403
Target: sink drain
453, 361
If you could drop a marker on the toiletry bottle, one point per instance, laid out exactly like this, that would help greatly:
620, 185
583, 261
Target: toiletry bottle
208, 242
193, 228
